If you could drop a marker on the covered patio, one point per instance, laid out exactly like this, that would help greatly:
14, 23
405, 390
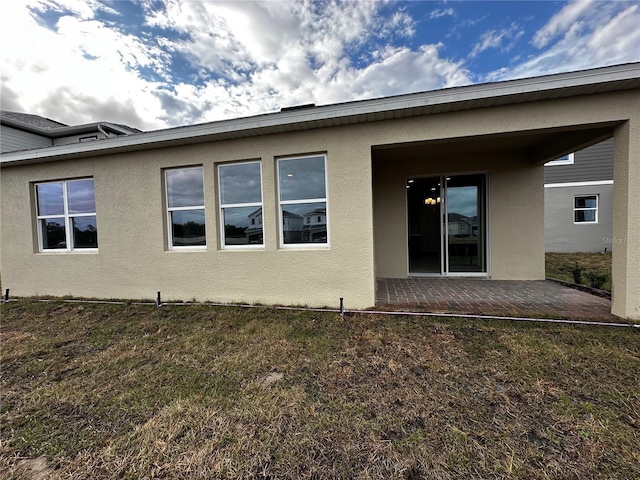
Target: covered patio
530, 298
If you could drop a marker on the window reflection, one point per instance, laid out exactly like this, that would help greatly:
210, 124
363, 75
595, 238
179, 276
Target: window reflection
66, 215
53, 233
85, 233
50, 199
243, 226
302, 178
80, 196
188, 228
185, 187
240, 183
241, 204
303, 207
304, 223
185, 205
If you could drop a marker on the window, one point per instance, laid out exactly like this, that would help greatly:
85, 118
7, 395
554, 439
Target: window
564, 160
585, 209
185, 208
241, 204
303, 195
67, 215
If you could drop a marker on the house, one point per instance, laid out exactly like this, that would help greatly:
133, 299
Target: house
314, 226
149, 211
22, 131
253, 232
578, 200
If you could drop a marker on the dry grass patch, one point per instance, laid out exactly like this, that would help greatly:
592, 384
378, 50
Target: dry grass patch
109, 391
585, 267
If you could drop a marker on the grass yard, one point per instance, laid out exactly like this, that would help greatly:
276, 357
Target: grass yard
590, 266
111, 391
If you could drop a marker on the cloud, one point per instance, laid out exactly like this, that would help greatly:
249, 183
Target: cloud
80, 71
8, 98
193, 61
442, 13
504, 39
607, 34
562, 21
157, 63
259, 57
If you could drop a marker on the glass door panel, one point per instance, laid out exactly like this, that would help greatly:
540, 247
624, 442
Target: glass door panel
425, 226
465, 223
446, 224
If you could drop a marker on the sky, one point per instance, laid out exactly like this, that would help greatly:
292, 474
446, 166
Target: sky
154, 64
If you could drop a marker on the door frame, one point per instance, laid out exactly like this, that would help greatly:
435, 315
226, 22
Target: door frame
444, 229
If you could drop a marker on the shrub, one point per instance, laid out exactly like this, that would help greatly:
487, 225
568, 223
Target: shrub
577, 271
597, 279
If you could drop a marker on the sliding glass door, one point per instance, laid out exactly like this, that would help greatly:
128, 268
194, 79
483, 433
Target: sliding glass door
447, 225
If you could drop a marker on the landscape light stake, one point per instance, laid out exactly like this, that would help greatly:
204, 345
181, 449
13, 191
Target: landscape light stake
5, 298
342, 307
158, 301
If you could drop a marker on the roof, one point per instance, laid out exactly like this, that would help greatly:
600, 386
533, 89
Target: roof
585, 82
30, 119
48, 128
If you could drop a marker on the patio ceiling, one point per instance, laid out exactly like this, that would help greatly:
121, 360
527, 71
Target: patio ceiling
537, 146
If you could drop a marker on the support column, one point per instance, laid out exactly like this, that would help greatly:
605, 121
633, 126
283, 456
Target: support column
626, 221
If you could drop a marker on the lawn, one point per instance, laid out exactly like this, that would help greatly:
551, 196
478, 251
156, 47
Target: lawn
589, 267
131, 391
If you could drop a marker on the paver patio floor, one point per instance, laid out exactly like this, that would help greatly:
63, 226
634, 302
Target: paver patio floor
491, 297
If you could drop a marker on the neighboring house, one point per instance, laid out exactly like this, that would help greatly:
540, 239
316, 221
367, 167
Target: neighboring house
253, 233
170, 210
22, 131
314, 226
291, 228
578, 201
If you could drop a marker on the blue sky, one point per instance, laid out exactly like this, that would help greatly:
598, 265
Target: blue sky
159, 63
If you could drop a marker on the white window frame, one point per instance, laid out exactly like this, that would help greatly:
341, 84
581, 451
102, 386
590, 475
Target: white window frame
232, 205
584, 209
68, 223
325, 199
176, 209
569, 160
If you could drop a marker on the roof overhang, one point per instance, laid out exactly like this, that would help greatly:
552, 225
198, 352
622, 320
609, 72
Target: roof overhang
586, 82
66, 131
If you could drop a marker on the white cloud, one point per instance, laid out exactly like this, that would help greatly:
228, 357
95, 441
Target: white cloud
79, 72
504, 39
562, 21
442, 13
84, 9
619, 40
246, 58
605, 34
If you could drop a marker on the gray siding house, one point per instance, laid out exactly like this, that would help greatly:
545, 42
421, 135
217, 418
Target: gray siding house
23, 131
578, 201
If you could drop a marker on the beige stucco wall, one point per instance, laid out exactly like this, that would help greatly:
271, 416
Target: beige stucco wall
515, 211
133, 261
626, 218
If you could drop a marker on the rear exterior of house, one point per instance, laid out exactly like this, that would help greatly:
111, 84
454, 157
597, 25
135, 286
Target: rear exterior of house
307, 206
578, 200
